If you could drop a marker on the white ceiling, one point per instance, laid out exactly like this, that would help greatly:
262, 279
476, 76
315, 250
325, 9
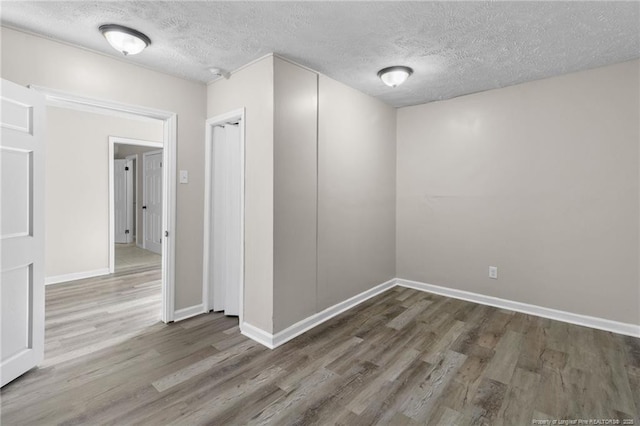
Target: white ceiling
455, 48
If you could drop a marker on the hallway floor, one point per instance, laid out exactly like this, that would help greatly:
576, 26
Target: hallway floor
130, 256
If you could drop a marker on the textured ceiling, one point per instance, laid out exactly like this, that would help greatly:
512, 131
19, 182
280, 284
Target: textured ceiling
455, 48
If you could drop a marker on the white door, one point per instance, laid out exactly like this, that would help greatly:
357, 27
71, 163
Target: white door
218, 228
123, 200
21, 230
226, 219
152, 205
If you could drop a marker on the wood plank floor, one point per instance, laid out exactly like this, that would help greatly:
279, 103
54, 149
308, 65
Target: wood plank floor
402, 358
130, 257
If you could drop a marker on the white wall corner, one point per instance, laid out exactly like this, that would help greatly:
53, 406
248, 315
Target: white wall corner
56, 279
191, 311
525, 308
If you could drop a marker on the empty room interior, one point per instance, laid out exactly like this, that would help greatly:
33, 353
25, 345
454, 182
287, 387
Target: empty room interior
354, 213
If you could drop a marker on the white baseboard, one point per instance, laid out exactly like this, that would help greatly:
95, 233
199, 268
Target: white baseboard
257, 334
75, 276
274, 340
191, 311
554, 314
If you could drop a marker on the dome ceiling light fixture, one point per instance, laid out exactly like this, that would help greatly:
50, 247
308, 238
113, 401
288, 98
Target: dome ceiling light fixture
125, 40
394, 76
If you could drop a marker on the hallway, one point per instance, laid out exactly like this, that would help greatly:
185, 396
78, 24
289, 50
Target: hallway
131, 257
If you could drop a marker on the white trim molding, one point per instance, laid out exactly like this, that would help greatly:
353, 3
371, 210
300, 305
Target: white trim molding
191, 311
274, 340
257, 334
56, 279
62, 99
525, 308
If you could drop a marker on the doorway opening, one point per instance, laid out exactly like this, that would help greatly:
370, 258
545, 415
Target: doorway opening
223, 263
64, 100
135, 204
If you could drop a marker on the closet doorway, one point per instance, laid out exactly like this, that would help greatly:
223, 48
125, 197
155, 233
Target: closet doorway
223, 274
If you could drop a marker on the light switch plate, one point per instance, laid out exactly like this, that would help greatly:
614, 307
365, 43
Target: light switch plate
184, 176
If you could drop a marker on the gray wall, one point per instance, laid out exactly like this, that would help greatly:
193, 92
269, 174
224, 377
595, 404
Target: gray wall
320, 166
294, 193
79, 71
540, 179
334, 193
356, 192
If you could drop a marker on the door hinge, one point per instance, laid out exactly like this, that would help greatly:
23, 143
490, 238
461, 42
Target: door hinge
126, 169
126, 231
161, 164
166, 233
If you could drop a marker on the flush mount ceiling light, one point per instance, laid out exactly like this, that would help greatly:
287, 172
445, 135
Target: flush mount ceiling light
125, 40
394, 76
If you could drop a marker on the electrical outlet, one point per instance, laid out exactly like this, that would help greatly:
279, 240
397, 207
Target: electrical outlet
493, 272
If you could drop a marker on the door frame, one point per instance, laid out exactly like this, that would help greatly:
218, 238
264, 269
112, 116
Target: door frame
238, 114
144, 191
113, 140
61, 99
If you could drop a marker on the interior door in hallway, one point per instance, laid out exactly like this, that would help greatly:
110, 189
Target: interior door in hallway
152, 204
123, 200
22, 157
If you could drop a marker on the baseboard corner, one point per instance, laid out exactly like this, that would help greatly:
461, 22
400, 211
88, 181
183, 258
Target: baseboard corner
191, 311
316, 319
257, 334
